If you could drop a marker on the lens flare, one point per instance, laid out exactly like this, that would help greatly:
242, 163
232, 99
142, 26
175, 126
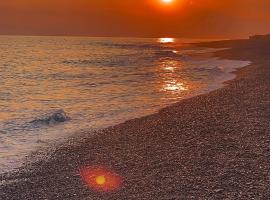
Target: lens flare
101, 179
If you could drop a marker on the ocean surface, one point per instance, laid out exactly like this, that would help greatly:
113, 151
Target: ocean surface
95, 82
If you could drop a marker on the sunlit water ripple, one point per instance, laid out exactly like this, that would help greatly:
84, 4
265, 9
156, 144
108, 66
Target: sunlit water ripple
98, 82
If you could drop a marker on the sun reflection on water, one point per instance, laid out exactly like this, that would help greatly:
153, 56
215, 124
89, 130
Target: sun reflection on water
174, 86
172, 80
166, 40
170, 65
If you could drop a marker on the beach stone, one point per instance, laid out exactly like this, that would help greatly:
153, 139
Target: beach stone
218, 190
59, 116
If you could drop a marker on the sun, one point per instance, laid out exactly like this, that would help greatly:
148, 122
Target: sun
167, 1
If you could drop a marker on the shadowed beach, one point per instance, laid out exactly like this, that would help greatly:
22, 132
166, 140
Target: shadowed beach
212, 146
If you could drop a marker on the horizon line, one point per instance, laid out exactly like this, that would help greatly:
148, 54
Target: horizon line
145, 37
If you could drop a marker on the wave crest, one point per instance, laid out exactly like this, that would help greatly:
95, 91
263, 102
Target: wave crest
56, 117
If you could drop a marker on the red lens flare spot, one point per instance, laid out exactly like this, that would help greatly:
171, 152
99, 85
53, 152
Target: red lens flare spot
101, 179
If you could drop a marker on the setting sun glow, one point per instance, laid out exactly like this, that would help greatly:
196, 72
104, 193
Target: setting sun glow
167, 1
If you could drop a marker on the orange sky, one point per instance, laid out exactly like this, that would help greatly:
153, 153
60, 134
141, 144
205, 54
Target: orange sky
143, 18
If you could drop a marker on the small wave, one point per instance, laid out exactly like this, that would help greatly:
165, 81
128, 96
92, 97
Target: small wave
123, 60
116, 61
126, 60
132, 45
56, 117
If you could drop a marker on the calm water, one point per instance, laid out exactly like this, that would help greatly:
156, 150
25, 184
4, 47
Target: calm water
98, 82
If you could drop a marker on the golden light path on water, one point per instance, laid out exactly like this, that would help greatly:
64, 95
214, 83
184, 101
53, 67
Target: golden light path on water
170, 82
174, 85
166, 40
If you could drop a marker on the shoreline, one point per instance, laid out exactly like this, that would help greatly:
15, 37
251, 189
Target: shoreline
202, 147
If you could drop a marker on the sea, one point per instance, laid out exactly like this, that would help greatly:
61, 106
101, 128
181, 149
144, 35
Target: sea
54, 88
